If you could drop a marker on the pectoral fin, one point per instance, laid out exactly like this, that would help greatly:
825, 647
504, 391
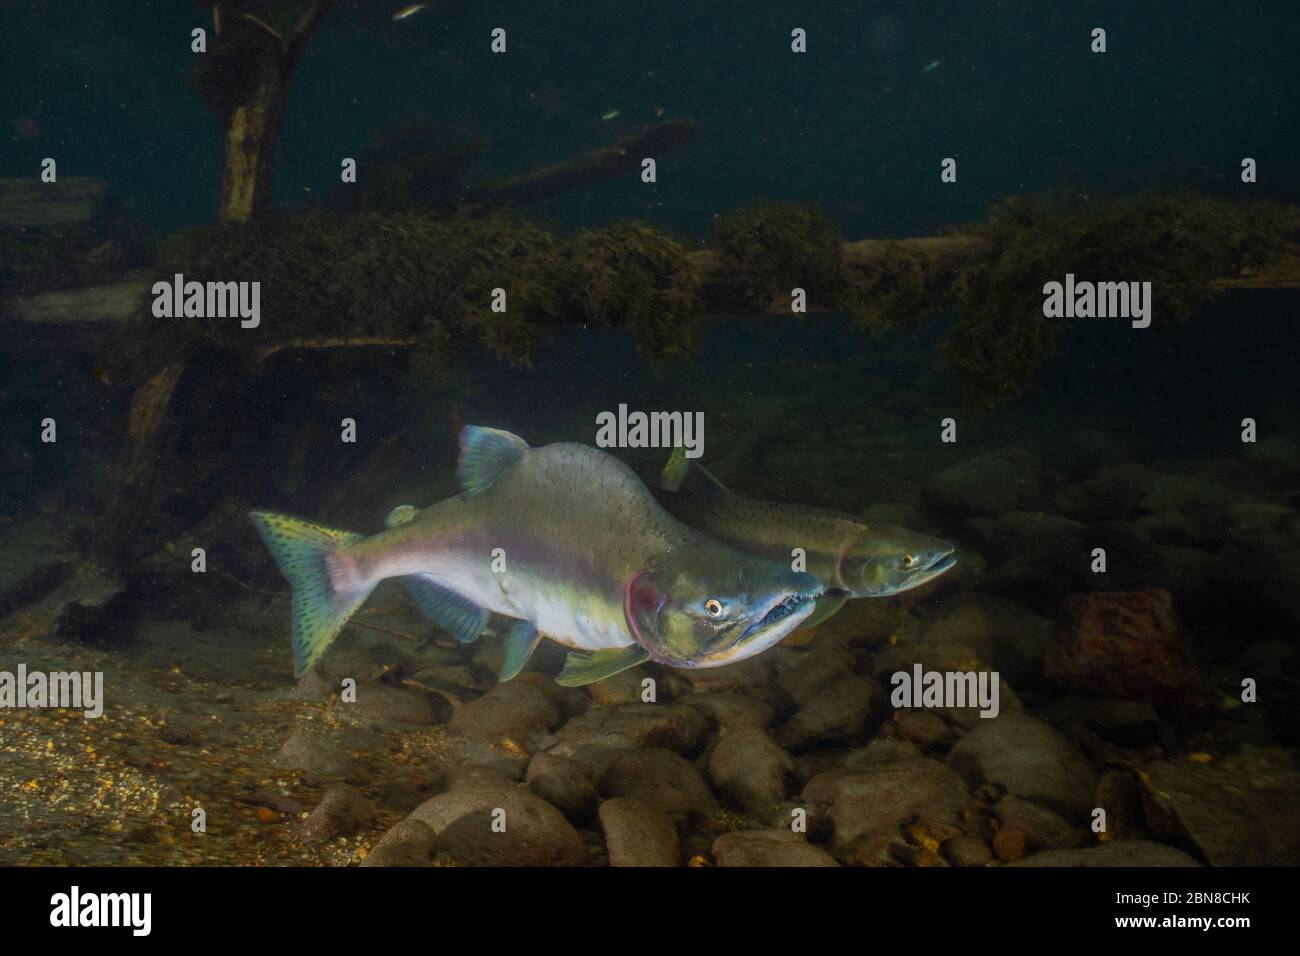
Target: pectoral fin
454, 612
521, 640
827, 606
587, 668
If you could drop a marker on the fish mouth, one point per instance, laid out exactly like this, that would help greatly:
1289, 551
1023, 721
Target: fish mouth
938, 566
780, 609
780, 617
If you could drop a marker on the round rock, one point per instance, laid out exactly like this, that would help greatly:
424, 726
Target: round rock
638, 834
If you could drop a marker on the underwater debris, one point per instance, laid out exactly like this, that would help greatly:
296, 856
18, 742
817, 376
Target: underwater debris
63, 235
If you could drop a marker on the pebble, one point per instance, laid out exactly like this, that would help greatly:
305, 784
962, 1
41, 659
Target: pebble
987, 485
514, 710
768, 848
535, 833
842, 712
668, 726
408, 843
1009, 638
381, 704
342, 811
562, 783
1043, 829
1029, 758
661, 779
966, 851
638, 834
882, 798
748, 768
1127, 645
316, 752
927, 730
1128, 853
732, 710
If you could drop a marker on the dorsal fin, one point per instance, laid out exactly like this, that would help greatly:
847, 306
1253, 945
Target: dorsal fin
680, 474
484, 454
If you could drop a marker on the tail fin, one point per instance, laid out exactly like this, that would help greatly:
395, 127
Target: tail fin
323, 598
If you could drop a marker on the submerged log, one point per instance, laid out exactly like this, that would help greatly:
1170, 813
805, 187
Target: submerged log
250, 126
107, 304
139, 462
114, 303
29, 203
599, 165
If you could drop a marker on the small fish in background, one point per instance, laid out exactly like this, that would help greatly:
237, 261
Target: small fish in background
931, 66
659, 111
610, 114
408, 11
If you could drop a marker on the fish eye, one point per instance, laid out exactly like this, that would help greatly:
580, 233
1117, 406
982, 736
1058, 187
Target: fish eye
909, 560
714, 607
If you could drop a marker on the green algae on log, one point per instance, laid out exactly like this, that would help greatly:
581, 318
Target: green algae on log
416, 280
428, 282
1183, 243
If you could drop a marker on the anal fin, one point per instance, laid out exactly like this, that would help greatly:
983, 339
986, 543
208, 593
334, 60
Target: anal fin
589, 667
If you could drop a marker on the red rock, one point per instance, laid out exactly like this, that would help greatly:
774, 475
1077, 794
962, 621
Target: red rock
1009, 845
1126, 645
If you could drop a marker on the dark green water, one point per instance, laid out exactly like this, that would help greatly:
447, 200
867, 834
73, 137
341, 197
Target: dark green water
1122, 690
